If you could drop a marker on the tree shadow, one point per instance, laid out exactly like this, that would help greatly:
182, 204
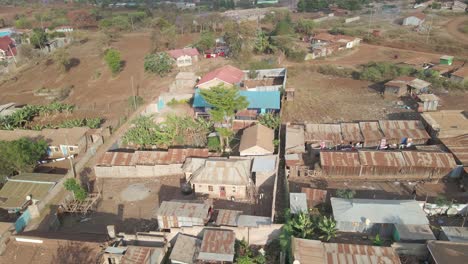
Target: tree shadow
72, 63
122, 65
85, 179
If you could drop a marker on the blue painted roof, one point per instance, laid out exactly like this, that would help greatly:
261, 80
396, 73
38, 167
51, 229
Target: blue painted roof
257, 99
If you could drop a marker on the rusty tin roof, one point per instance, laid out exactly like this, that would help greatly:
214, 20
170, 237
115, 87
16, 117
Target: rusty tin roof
339, 159
227, 217
351, 132
429, 159
150, 158
180, 209
382, 158
459, 147
217, 245
399, 129
371, 130
314, 196
323, 132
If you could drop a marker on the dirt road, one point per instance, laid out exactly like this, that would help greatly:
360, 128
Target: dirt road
452, 28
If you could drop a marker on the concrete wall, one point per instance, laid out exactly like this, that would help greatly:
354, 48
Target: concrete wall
138, 171
412, 21
240, 192
352, 19
261, 235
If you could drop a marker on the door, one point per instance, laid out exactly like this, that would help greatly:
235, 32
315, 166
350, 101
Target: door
222, 192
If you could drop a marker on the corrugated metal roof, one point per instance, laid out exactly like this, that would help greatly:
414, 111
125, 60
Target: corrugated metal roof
448, 123
179, 209
459, 147
456, 233
382, 158
407, 212
227, 172
323, 132
256, 99
227, 217
351, 132
295, 139
258, 136
444, 252
13, 193
316, 252
298, 203
37, 177
415, 232
136, 255
217, 245
399, 129
371, 131
314, 196
429, 159
252, 221
186, 249
264, 164
341, 159
150, 158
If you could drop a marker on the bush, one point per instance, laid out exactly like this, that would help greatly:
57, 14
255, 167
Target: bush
214, 144
159, 63
335, 71
381, 71
78, 191
113, 60
23, 23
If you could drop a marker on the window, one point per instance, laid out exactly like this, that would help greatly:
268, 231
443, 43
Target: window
54, 149
210, 188
233, 189
71, 148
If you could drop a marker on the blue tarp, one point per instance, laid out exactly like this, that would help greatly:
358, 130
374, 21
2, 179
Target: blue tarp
257, 99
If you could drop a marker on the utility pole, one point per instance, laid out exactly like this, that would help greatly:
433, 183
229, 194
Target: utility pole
134, 95
429, 29
370, 21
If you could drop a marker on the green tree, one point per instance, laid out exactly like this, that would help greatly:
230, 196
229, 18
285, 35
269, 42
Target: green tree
214, 144
159, 63
23, 23
302, 225
270, 120
20, 155
238, 36
345, 193
305, 26
62, 59
78, 191
206, 41
113, 60
38, 38
301, 6
225, 102
327, 227
262, 43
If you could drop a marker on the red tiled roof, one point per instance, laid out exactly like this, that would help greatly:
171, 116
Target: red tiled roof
6, 43
182, 52
228, 73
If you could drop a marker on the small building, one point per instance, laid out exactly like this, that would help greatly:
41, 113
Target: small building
351, 133
64, 29
63, 142
347, 42
185, 250
374, 216
298, 203
443, 252
13, 195
182, 214
264, 170
184, 83
227, 75
431, 166
7, 48
446, 123
314, 197
454, 234
427, 102
446, 60
305, 251
217, 246
134, 255
381, 165
414, 19
400, 131
295, 139
340, 164
323, 135
223, 178
459, 6
398, 86
261, 102
257, 140
418, 86
458, 146
184, 57
460, 75
371, 133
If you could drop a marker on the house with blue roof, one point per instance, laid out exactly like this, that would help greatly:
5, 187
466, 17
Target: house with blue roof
259, 101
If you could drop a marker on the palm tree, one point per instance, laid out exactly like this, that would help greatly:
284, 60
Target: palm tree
302, 225
328, 228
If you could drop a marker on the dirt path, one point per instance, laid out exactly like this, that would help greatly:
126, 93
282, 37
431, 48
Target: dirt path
452, 28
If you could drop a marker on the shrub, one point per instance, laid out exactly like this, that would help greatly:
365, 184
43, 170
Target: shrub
113, 60
335, 71
78, 191
135, 101
159, 63
214, 144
